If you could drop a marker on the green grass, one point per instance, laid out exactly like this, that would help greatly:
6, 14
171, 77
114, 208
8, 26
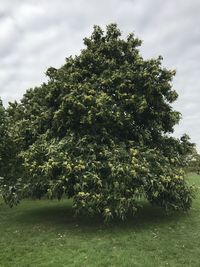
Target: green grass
45, 233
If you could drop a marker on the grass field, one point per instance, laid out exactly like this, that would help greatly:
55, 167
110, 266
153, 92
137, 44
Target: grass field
45, 233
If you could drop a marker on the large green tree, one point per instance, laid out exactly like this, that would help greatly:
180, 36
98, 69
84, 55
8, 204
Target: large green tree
98, 131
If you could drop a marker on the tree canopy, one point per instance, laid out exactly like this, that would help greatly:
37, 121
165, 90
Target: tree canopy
98, 131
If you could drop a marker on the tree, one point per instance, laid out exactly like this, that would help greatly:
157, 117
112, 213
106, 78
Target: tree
98, 131
194, 162
8, 160
3, 136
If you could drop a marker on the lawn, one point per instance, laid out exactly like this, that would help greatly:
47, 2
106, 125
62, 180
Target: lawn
45, 233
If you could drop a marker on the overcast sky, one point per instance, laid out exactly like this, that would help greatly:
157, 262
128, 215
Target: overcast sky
35, 35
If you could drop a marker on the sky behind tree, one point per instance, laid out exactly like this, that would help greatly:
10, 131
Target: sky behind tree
35, 35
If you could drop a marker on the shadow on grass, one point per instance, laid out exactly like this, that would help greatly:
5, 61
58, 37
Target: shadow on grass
62, 215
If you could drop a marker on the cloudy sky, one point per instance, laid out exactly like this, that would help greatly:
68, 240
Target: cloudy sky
36, 34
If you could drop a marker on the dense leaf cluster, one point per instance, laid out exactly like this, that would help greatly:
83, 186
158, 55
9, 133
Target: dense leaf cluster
9, 162
98, 131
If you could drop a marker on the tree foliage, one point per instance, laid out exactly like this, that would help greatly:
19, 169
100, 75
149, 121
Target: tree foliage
98, 131
3, 136
9, 164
